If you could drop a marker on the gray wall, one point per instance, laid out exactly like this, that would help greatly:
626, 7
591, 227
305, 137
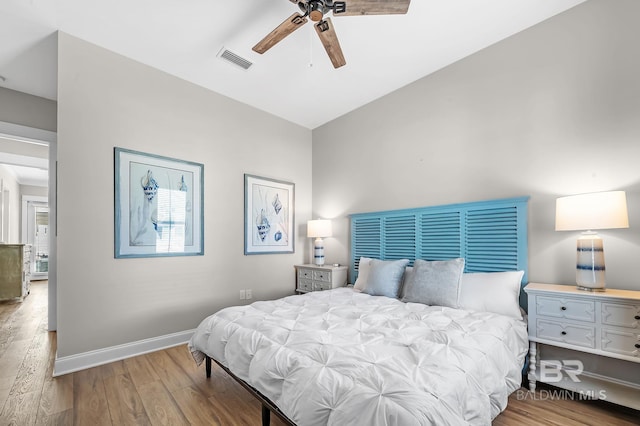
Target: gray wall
27, 110
551, 111
106, 100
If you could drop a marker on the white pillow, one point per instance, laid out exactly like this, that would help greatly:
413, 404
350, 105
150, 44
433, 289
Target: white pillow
363, 274
497, 292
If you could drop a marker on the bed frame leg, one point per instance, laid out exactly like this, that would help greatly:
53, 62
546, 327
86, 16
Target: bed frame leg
266, 416
207, 363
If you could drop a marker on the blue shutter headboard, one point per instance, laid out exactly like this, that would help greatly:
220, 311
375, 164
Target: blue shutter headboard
490, 235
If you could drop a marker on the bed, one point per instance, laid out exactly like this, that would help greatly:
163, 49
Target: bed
415, 341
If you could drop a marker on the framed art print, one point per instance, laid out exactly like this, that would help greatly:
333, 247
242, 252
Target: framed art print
158, 205
268, 215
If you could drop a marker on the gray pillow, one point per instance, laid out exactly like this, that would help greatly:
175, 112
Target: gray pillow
385, 277
434, 283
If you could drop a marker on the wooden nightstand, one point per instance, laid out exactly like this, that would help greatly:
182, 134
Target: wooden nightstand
315, 278
601, 331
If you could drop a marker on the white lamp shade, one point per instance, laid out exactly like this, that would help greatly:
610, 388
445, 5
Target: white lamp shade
598, 210
320, 228
587, 212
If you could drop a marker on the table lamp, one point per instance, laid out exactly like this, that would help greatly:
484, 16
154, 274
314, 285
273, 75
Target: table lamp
588, 212
318, 229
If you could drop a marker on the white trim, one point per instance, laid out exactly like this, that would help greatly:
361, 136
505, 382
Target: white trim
72, 363
24, 161
27, 134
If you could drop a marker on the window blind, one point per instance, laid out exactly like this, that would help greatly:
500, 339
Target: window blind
490, 235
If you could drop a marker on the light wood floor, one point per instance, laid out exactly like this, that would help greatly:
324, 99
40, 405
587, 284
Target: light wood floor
166, 388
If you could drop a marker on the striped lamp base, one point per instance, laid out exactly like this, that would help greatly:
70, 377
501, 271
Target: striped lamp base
318, 252
590, 263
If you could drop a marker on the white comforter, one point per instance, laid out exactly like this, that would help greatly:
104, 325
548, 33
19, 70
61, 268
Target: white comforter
341, 357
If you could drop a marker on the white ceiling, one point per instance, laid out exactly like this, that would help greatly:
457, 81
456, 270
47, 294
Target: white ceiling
295, 79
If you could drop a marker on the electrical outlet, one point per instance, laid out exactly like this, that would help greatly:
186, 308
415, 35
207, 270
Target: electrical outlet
243, 295
249, 293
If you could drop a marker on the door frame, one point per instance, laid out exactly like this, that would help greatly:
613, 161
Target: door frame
46, 137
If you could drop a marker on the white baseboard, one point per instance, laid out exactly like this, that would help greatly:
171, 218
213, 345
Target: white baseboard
69, 364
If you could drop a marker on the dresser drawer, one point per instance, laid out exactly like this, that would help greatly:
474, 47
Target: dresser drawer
621, 315
578, 335
305, 284
621, 342
572, 309
324, 276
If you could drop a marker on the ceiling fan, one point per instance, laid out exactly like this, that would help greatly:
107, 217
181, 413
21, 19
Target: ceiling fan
316, 10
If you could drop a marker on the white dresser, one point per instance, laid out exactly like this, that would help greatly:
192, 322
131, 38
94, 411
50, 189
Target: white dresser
601, 332
316, 278
15, 270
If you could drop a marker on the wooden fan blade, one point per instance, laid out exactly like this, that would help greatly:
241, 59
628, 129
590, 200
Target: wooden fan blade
290, 24
374, 7
329, 40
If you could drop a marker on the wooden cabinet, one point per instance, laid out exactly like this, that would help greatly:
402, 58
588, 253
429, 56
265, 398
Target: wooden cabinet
601, 330
15, 270
317, 278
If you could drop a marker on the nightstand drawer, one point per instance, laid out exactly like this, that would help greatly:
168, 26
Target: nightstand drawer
322, 286
572, 334
621, 342
305, 285
621, 315
305, 273
572, 309
324, 276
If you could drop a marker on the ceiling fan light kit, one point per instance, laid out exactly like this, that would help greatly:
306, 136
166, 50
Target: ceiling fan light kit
316, 11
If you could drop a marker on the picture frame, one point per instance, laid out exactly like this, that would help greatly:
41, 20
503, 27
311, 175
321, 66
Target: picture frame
269, 215
159, 205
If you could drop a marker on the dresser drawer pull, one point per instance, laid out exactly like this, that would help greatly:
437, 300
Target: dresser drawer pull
637, 317
563, 333
564, 308
638, 345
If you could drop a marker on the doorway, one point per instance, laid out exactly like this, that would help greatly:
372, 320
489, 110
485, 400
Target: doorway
35, 228
24, 149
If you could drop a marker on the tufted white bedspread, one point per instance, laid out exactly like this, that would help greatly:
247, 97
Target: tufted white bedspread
341, 357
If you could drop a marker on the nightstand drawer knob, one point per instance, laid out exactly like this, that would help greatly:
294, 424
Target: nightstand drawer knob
637, 317
564, 333
564, 308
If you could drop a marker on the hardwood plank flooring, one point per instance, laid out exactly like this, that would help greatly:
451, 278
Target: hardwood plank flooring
167, 388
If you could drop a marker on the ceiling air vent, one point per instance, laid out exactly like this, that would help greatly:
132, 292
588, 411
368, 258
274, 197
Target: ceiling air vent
228, 55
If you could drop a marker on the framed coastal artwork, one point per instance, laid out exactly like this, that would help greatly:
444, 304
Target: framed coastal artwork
268, 215
158, 205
